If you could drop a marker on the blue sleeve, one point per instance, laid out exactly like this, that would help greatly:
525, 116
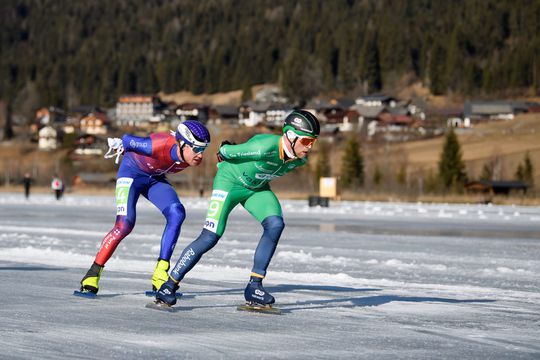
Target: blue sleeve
139, 145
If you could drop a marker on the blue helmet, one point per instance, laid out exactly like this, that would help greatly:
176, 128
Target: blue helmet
193, 133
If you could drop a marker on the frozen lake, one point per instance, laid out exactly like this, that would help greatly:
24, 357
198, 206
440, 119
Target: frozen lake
357, 280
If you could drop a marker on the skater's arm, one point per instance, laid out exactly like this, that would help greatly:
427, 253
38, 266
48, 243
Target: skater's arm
139, 145
251, 150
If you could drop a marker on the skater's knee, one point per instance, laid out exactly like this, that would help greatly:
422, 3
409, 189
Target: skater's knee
175, 213
206, 240
124, 226
273, 224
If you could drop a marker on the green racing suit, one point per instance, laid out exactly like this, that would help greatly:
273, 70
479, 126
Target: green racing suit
243, 178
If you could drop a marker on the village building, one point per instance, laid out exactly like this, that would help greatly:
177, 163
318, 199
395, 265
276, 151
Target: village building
138, 111
223, 114
94, 123
47, 138
481, 111
193, 111
376, 101
89, 145
252, 113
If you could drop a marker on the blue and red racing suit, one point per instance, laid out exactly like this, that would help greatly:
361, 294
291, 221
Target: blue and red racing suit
142, 172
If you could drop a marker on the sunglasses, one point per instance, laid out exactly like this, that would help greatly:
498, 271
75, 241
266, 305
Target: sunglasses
306, 141
198, 149
195, 149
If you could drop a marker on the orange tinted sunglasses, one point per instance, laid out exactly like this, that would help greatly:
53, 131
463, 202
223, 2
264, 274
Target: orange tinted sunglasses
306, 141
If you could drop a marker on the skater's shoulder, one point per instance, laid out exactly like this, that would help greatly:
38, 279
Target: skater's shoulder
164, 136
265, 141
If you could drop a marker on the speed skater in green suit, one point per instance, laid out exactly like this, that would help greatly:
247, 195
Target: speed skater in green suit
243, 176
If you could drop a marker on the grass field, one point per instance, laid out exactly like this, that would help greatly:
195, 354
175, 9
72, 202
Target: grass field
508, 140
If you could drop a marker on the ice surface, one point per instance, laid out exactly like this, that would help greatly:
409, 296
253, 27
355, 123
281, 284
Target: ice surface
355, 280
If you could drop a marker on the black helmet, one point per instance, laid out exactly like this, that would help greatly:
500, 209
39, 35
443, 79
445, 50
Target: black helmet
302, 123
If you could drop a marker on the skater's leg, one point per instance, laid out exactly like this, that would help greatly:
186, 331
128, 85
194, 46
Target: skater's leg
188, 259
265, 207
273, 227
223, 200
127, 194
193, 253
164, 197
122, 228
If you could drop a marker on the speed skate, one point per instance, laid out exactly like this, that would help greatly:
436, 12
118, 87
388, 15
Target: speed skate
259, 308
160, 305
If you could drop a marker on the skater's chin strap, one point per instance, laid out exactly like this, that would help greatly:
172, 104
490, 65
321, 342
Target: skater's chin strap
181, 151
289, 153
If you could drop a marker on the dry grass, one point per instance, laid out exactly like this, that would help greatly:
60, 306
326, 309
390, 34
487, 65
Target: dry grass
508, 140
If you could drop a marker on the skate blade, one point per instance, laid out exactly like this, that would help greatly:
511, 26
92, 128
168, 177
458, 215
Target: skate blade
85, 294
153, 294
160, 305
264, 309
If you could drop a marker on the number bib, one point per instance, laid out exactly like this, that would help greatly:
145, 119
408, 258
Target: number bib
215, 209
122, 194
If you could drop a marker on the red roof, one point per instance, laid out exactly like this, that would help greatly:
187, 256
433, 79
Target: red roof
395, 119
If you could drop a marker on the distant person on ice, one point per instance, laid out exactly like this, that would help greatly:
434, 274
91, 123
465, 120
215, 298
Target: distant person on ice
143, 171
244, 172
57, 186
27, 183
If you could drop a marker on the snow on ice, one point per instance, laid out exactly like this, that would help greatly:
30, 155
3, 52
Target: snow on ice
355, 280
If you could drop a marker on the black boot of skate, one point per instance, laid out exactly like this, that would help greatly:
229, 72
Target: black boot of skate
167, 293
256, 294
258, 299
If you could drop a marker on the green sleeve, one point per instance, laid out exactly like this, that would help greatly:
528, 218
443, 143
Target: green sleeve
252, 150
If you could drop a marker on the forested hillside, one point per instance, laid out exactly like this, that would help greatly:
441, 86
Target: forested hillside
65, 52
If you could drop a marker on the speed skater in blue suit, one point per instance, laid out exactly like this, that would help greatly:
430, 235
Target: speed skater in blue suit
145, 164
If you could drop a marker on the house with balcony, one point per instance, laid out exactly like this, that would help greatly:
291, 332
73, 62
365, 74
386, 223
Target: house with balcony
481, 111
94, 123
89, 145
47, 138
138, 110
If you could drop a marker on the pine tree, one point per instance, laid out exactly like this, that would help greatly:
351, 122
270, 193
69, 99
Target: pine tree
451, 166
300, 77
352, 165
437, 74
487, 172
377, 175
453, 62
525, 171
8, 126
246, 91
520, 176
528, 170
371, 67
401, 176
432, 182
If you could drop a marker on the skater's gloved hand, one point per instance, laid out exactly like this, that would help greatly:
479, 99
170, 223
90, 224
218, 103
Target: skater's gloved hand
219, 157
225, 142
116, 148
115, 143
